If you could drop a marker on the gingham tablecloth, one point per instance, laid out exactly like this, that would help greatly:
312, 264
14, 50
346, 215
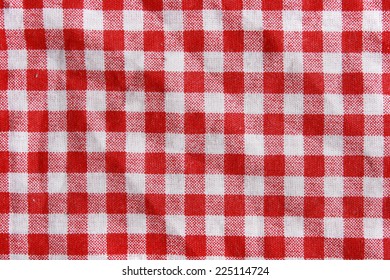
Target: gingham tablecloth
168, 129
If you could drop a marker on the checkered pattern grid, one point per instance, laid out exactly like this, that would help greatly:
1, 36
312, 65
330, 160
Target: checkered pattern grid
167, 129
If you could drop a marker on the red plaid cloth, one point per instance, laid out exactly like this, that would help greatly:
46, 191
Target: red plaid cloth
168, 129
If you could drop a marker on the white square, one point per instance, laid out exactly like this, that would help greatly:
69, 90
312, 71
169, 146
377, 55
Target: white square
58, 224
97, 223
334, 227
254, 185
53, 18
174, 183
56, 100
332, 21
214, 184
96, 182
252, 20
373, 228
135, 102
333, 145
174, 143
334, 186
18, 141
135, 142
135, 183
373, 104
374, 146
293, 145
57, 182
253, 103
293, 226
332, 63
133, 20
333, 104
94, 60
372, 63
17, 59
18, 223
372, 21
212, 20
254, 226
93, 20
213, 61
13, 19
18, 182
175, 225
17, 100
174, 61
373, 187
215, 225
173, 20
96, 100
136, 223
96, 141
292, 20
134, 60
293, 104
214, 102
56, 60
253, 62
254, 144
57, 142
174, 102
215, 144
293, 62
294, 186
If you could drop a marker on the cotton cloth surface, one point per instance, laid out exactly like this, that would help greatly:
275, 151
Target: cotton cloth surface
190, 129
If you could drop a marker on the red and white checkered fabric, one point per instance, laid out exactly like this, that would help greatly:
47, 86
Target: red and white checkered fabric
172, 129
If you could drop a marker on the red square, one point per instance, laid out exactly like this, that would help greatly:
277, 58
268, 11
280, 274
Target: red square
353, 83
73, 4
155, 122
353, 207
77, 244
192, 4
76, 162
195, 163
193, 41
3, 79
37, 80
385, 82
4, 120
116, 244
353, 125
234, 123
114, 40
155, 204
272, 5
156, 244
154, 81
386, 125
3, 41
4, 202
116, 203
273, 205
386, 208
77, 203
113, 5
273, 41
32, 4
76, 121
352, 5
353, 248
153, 5
38, 162
194, 82
386, 40
38, 121
115, 80
38, 203
273, 82
352, 41
233, 41
155, 163
195, 204
35, 39
353, 166
314, 248
194, 123
314, 166
115, 162
274, 247
234, 164
385, 5
235, 246
232, 4
153, 41
233, 82
274, 165
4, 244
234, 205
74, 39
273, 124
312, 5
115, 121
76, 80
4, 158
314, 207
313, 41
386, 248
195, 245
386, 167
313, 83
313, 124
38, 244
